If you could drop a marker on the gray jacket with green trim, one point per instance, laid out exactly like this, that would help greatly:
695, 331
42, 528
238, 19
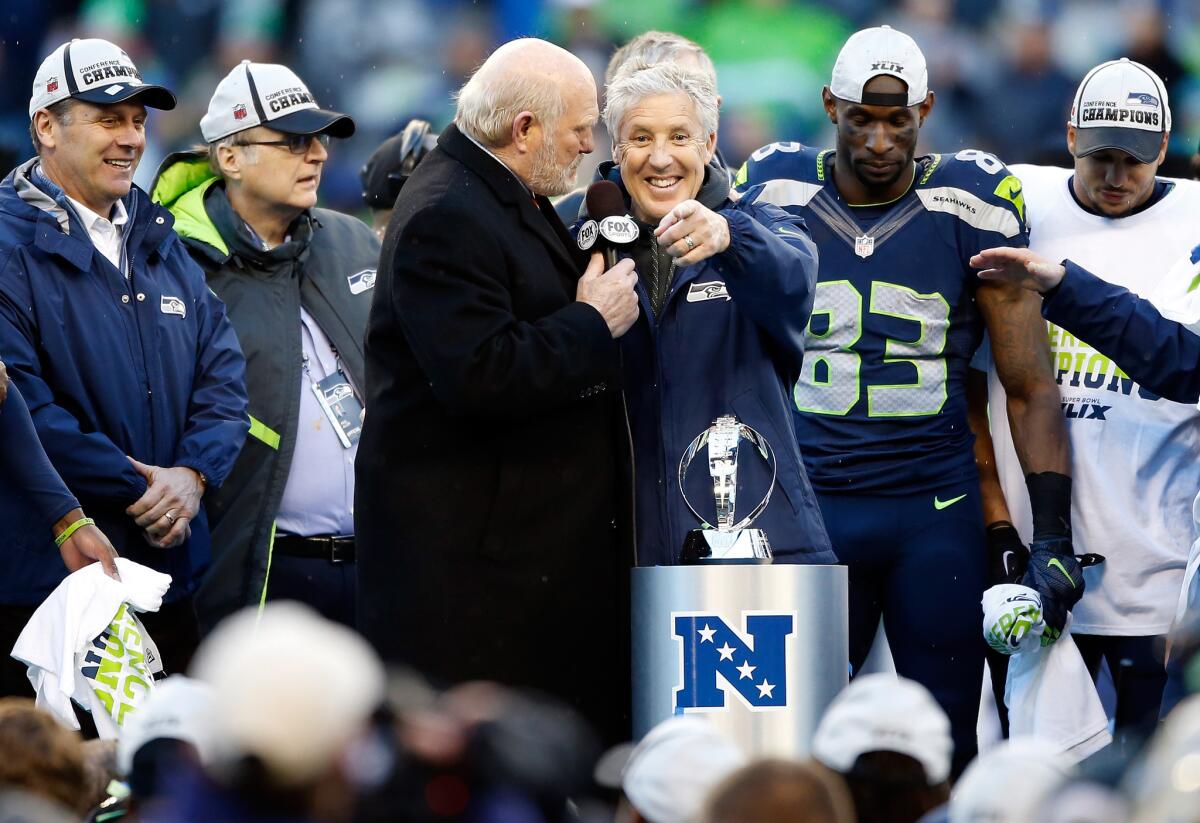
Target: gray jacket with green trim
322, 268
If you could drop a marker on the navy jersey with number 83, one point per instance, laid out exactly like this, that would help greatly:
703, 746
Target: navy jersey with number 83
880, 405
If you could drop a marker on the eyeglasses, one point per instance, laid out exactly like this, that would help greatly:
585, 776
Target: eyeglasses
295, 143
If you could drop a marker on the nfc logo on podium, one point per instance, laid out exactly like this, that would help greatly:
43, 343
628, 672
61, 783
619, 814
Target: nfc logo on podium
716, 659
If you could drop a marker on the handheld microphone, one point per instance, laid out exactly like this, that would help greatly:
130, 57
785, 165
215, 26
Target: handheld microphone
608, 226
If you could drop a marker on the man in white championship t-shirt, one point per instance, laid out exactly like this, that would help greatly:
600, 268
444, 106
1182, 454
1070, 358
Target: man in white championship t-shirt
1134, 453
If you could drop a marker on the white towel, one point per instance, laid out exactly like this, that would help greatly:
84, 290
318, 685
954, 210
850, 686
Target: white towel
1049, 693
84, 643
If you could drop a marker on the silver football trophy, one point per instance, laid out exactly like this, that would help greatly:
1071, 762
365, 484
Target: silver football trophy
727, 541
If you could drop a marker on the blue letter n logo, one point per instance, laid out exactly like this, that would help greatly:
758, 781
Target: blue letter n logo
756, 667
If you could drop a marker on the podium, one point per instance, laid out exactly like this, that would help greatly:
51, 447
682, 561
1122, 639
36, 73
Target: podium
759, 650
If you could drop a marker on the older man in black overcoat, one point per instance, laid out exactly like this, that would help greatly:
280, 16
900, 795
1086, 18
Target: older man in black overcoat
494, 496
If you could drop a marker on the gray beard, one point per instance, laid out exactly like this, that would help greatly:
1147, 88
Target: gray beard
548, 178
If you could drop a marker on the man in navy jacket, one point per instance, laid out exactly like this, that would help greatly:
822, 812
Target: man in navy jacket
130, 369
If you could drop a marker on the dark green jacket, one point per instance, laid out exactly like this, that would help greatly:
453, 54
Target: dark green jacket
322, 269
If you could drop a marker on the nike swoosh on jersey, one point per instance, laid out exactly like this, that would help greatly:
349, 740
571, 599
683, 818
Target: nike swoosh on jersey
945, 504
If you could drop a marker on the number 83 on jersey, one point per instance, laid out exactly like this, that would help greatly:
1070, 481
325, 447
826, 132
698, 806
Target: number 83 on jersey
835, 375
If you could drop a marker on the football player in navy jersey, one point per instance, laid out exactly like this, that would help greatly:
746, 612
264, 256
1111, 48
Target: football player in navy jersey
881, 408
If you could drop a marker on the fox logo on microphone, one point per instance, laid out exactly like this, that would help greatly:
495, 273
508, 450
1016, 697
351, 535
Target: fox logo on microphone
717, 659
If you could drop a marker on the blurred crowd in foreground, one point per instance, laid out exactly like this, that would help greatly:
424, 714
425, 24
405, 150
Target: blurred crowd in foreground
1003, 71
288, 717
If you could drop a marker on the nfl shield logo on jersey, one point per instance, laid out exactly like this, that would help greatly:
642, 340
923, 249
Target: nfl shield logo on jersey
864, 246
718, 659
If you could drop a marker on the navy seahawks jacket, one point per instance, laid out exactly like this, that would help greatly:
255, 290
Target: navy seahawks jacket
145, 366
728, 340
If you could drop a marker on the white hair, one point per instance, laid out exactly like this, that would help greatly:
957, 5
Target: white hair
490, 101
653, 47
637, 83
250, 153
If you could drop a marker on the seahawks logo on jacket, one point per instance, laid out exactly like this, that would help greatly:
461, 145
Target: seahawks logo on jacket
716, 290
361, 281
172, 305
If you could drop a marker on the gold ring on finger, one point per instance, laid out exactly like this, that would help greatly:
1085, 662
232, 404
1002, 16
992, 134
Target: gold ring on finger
691, 244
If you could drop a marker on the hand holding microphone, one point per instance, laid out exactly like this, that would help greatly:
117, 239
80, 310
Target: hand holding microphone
608, 284
610, 292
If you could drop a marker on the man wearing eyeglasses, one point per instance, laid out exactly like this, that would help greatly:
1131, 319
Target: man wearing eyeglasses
128, 364
297, 281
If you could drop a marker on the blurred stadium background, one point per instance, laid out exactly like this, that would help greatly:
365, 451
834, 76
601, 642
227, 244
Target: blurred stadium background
1003, 70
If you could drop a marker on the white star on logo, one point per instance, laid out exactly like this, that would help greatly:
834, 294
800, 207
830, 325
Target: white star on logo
706, 634
765, 689
726, 652
747, 671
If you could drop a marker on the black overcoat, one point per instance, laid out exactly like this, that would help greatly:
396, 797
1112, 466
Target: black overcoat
493, 478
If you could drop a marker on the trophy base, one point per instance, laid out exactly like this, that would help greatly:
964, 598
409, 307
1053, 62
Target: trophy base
704, 546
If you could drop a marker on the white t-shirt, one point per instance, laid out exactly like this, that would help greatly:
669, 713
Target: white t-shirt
1133, 457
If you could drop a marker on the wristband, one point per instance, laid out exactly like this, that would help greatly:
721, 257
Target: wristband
1050, 500
71, 529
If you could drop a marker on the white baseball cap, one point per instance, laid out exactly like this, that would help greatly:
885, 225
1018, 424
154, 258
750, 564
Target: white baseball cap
268, 94
179, 708
95, 71
875, 51
292, 689
1009, 782
885, 713
1121, 105
675, 765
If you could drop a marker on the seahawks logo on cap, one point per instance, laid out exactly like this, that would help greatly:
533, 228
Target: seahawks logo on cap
1141, 97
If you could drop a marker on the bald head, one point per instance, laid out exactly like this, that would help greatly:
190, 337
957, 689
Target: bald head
526, 76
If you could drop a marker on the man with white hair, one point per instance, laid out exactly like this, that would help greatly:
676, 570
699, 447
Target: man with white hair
297, 281
493, 474
650, 48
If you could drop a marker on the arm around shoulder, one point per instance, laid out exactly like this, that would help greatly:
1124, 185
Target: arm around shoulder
1160, 354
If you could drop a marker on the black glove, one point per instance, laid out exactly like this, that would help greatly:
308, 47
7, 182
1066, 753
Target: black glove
1056, 574
1007, 555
